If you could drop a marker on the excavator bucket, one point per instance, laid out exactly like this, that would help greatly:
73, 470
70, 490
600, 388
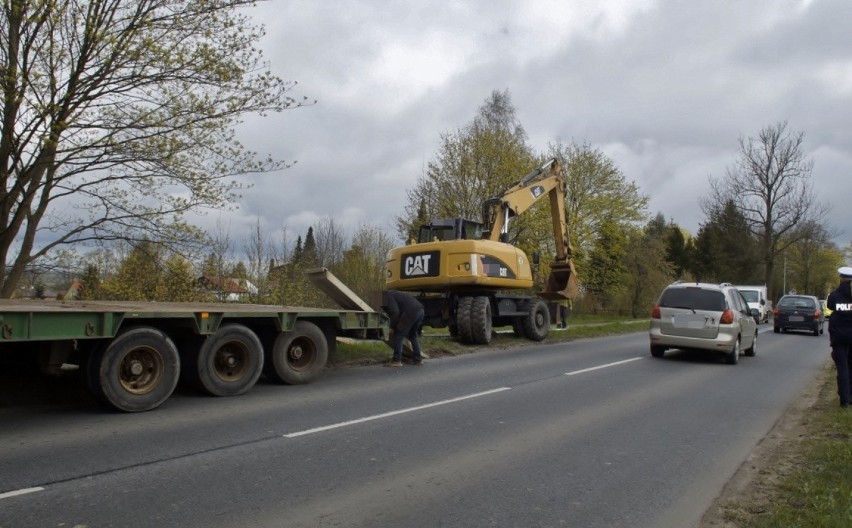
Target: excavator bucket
562, 282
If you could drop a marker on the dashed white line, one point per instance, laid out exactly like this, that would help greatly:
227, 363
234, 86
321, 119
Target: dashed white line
574, 373
24, 491
393, 413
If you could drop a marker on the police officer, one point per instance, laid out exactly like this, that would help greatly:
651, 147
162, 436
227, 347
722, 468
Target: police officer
406, 318
840, 331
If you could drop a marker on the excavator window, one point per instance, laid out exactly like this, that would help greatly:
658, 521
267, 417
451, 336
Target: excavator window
450, 229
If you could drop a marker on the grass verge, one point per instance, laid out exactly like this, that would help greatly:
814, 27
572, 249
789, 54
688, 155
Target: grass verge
438, 342
808, 481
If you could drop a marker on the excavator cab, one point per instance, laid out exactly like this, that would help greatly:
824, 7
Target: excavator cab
450, 229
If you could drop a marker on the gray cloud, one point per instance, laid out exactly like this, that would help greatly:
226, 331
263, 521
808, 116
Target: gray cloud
665, 88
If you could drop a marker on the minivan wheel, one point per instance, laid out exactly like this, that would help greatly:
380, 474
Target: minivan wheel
734, 356
752, 350
657, 351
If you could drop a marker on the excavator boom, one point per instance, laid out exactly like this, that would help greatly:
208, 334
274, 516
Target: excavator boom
547, 179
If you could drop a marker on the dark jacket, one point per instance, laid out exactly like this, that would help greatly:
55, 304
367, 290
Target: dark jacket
840, 321
402, 309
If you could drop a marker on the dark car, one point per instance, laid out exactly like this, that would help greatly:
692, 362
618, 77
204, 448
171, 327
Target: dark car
799, 312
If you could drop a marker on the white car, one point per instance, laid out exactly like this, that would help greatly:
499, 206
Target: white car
755, 296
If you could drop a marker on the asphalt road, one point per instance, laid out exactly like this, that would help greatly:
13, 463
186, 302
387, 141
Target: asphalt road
590, 433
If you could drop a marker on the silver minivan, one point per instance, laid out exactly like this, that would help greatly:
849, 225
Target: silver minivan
703, 316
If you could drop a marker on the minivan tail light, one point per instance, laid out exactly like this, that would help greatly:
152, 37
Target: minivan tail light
727, 317
655, 313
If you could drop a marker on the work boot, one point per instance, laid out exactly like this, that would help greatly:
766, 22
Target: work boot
394, 363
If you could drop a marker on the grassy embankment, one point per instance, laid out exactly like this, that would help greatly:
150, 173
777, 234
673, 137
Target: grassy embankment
808, 480
437, 342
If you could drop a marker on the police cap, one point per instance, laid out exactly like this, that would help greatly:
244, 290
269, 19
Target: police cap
845, 272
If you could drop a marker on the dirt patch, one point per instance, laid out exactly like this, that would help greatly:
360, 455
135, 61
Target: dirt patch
752, 489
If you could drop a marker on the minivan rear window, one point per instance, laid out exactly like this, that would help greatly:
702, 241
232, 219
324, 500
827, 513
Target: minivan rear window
693, 298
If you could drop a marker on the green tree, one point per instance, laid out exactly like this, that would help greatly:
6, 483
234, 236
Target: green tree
812, 261
680, 251
770, 184
138, 275
473, 164
91, 283
309, 251
648, 269
363, 265
176, 282
118, 119
726, 249
596, 193
607, 271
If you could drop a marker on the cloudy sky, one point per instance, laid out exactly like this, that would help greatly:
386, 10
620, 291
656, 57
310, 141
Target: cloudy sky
663, 87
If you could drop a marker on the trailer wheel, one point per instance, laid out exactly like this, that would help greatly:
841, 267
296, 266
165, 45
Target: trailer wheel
230, 361
537, 321
136, 371
480, 320
299, 355
463, 319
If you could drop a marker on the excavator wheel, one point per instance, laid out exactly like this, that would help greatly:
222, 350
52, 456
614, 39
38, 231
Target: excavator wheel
480, 320
463, 321
537, 321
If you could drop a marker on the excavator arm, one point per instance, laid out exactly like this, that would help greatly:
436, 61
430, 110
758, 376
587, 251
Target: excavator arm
547, 180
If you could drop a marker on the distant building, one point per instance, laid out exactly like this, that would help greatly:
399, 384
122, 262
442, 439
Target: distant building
227, 289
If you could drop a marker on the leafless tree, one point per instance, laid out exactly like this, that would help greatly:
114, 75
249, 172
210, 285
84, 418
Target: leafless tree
260, 253
770, 184
329, 238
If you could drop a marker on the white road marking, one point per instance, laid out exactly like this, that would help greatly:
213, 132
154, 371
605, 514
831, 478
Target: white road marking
19, 492
392, 413
435, 404
25, 491
603, 366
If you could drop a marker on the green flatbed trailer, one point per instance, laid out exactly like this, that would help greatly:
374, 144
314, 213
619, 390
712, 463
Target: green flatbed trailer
133, 353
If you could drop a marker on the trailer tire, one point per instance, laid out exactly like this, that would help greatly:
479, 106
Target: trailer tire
463, 321
229, 362
537, 321
137, 371
298, 356
480, 320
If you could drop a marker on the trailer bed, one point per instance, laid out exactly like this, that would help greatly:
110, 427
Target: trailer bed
132, 353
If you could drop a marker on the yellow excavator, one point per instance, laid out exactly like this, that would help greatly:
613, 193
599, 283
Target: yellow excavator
463, 271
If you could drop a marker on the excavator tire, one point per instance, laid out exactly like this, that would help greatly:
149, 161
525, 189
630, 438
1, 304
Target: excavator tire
518, 327
537, 321
480, 320
463, 320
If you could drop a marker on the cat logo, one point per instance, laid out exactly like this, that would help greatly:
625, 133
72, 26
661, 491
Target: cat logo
537, 190
421, 265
